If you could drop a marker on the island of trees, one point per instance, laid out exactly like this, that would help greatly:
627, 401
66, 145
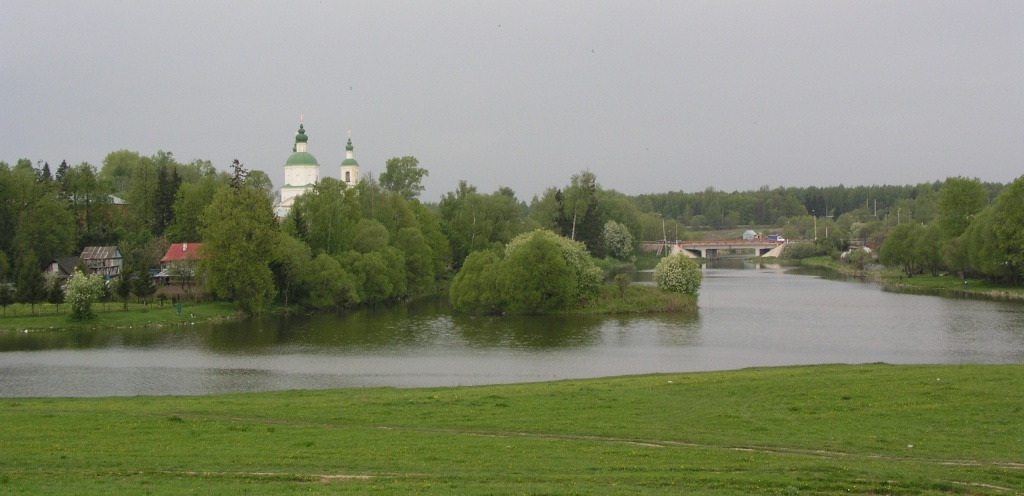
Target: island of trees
341, 246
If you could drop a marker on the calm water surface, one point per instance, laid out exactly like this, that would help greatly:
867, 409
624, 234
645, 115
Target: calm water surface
748, 316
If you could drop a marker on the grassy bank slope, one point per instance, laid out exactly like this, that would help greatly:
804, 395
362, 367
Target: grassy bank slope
872, 429
946, 284
47, 316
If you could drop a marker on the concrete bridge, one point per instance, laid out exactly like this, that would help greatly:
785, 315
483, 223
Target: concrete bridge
709, 248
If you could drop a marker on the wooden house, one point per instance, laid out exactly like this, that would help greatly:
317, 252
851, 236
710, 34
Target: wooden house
62, 268
103, 260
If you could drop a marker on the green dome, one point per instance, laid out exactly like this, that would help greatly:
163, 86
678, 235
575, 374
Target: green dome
348, 147
301, 136
301, 158
350, 161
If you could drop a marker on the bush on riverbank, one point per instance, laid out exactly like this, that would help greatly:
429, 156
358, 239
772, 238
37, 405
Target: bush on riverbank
679, 274
541, 272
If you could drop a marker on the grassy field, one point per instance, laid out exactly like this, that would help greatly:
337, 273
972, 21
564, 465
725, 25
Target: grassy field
871, 429
47, 316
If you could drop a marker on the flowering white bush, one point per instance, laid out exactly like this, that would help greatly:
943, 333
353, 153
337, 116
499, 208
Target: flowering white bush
617, 240
81, 292
679, 274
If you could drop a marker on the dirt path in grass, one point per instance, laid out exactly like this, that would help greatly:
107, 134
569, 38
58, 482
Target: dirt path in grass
649, 443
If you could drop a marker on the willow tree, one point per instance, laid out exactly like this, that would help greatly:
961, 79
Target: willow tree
239, 231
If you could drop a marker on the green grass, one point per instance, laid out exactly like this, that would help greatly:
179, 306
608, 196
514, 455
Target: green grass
947, 284
872, 429
637, 299
113, 314
647, 261
950, 284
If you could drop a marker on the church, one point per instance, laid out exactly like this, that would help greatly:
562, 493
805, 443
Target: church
302, 171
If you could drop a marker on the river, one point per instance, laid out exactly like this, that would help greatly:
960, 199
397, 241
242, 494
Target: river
749, 316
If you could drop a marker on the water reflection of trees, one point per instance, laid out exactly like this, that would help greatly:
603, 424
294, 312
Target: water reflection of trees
528, 331
427, 323
667, 329
367, 328
81, 339
821, 272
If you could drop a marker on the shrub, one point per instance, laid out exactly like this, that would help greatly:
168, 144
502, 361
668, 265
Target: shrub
475, 288
82, 291
536, 278
622, 283
798, 251
618, 242
678, 274
541, 272
576, 256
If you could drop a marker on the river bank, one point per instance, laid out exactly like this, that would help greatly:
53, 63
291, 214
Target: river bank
47, 316
943, 285
863, 429
611, 299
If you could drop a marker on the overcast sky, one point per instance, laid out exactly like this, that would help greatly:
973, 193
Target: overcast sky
650, 96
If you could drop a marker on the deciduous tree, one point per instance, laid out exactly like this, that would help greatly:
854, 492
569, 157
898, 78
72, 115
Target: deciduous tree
587, 276
189, 203
292, 266
330, 285
900, 248
960, 199
419, 263
476, 288
46, 228
325, 218
1009, 228
472, 221
30, 288
239, 234
403, 176
535, 277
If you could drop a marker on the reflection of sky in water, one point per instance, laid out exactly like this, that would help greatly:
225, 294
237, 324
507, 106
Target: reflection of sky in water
752, 317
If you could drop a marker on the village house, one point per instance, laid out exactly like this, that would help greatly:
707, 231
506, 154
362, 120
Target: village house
103, 260
179, 264
62, 268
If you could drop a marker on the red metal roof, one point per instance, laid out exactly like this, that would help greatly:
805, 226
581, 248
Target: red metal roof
182, 251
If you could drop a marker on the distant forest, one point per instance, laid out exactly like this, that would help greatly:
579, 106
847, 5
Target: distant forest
772, 207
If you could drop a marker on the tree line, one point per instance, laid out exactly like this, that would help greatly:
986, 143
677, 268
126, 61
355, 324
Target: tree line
376, 241
972, 234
